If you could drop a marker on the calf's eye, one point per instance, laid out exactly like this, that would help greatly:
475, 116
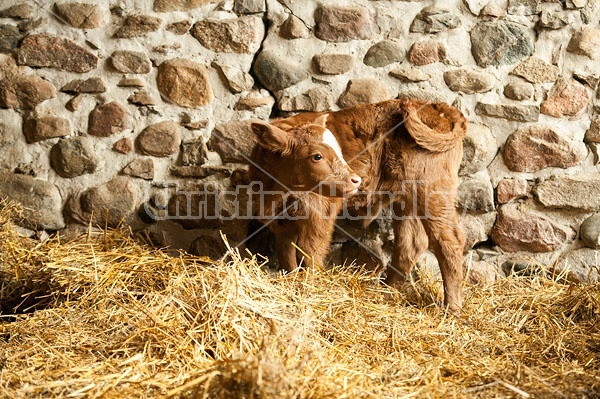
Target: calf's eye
317, 157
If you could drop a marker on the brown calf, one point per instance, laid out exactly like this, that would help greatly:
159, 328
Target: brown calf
402, 153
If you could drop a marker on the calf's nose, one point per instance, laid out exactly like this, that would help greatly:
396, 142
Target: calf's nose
355, 180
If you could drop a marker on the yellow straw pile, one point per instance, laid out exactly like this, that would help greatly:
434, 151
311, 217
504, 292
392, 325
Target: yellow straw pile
104, 316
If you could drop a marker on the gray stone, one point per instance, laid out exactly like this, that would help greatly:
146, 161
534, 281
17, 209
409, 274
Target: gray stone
534, 148
409, 74
338, 24
126, 61
475, 195
25, 91
363, 91
293, 28
494, 10
17, 11
524, 7
516, 230
500, 42
80, 15
42, 50
587, 14
107, 119
580, 265
249, 6
586, 42
45, 127
194, 153
237, 80
569, 192
477, 227
553, 18
141, 168
9, 38
524, 265
469, 80
333, 64
424, 94
590, 231
160, 139
573, 4
208, 246
241, 35
509, 190
536, 70
518, 91
433, 20
73, 157
316, 99
138, 25
108, 205
588, 79
479, 149
519, 113
179, 5
384, 53
475, 6
276, 73
9, 134
201, 206
427, 52
481, 273
184, 82
40, 201
233, 141
567, 97
91, 85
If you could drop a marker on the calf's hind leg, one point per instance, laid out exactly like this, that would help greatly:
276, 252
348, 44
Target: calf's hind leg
447, 242
410, 241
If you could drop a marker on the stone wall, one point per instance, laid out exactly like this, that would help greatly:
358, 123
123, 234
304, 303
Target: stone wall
131, 105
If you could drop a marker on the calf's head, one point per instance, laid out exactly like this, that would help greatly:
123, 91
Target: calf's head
308, 157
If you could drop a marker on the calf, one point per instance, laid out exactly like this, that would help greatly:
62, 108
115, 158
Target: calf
403, 154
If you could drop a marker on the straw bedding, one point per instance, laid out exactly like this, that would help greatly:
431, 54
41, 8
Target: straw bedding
105, 316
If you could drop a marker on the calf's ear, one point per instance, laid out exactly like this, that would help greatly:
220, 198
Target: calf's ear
321, 120
272, 138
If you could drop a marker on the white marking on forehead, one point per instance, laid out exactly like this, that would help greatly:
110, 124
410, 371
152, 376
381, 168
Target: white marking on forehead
330, 140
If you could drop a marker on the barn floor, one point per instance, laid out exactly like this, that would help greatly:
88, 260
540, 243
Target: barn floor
104, 316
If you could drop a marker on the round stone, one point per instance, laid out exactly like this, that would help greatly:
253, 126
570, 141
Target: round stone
384, 53
73, 157
590, 231
160, 139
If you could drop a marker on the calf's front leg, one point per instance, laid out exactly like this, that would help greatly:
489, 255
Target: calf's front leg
315, 239
286, 234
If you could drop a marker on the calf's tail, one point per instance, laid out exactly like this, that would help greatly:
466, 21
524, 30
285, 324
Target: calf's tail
437, 127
